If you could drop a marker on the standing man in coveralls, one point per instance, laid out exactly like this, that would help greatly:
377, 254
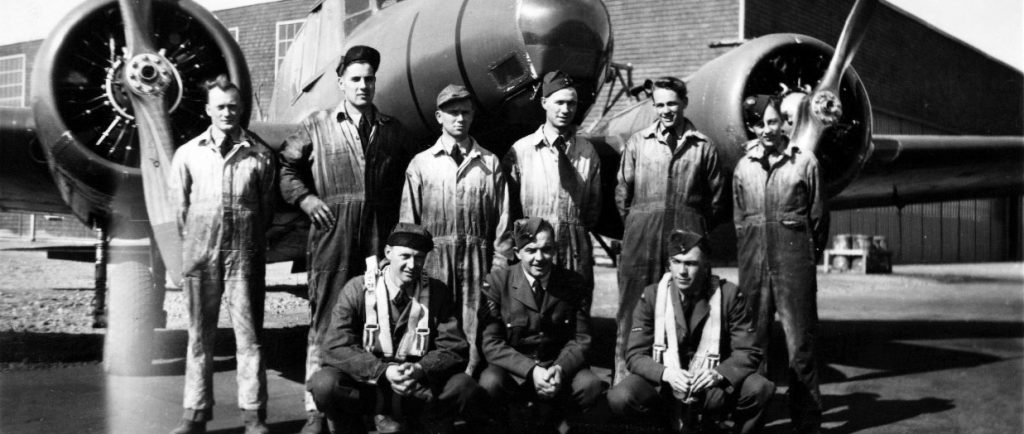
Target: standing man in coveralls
223, 184
535, 328
395, 347
778, 209
456, 190
344, 168
669, 178
555, 174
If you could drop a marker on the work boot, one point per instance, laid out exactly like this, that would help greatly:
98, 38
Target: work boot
188, 426
253, 420
314, 423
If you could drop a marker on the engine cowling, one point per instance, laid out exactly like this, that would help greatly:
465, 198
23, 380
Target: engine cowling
84, 116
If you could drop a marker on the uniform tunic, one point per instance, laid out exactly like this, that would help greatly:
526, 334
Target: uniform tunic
464, 208
778, 208
661, 190
224, 205
564, 189
362, 186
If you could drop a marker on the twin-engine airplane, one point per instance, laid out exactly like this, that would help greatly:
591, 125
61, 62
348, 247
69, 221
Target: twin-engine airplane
116, 88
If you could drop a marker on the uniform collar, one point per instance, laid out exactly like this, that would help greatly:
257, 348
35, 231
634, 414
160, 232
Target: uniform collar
241, 138
689, 135
543, 280
546, 139
756, 151
341, 114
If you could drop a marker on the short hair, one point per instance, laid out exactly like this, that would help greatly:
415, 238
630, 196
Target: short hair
221, 82
754, 107
671, 83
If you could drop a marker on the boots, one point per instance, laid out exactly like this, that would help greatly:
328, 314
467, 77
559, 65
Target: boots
254, 421
314, 423
188, 426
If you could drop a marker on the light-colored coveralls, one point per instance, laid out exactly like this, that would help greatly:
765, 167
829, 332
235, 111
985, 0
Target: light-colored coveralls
465, 207
224, 205
564, 189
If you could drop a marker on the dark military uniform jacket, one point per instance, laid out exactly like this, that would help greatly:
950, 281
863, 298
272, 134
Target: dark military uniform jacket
738, 353
517, 334
447, 349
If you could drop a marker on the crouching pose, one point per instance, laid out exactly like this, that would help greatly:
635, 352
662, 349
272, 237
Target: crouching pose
395, 348
535, 330
691, 354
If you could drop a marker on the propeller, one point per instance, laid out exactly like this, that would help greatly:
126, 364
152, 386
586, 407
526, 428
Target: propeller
148, 74
822, 108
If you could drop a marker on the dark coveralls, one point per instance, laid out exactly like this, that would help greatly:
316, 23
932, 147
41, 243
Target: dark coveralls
224, 205
661, 190
361, 184
517, 334
778, 209
352, 381
745, 392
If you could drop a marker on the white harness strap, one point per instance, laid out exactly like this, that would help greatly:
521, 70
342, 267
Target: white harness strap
377, 328
666, 342
707, 351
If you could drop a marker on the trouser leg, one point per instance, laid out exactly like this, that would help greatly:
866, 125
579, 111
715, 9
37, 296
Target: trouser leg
342, 399
634, 397
746, 403
459, 395
202, 296
328, 261
245, 306
798, 313
632, 281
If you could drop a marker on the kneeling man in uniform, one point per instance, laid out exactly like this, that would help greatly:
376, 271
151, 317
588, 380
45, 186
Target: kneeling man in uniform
692, 354
395, 348
535, 330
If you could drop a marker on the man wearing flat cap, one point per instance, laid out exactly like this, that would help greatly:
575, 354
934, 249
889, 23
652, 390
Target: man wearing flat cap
778, 210
344, 168
535, 328
394, 346
456, 189
556, 175
692, 356
669, 178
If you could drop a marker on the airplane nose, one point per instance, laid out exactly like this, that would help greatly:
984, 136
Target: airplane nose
569, 35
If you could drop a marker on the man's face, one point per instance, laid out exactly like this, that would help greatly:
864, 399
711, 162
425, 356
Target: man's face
537, 257
560, 108
358, 82
669, 107
687, 269
769, 130
789, 106
406, 263
455, 118
224, 108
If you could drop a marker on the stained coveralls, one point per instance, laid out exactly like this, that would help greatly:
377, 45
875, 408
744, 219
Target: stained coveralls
362, 186
464, 207
224, 205
778, 209
661, 189
562, 188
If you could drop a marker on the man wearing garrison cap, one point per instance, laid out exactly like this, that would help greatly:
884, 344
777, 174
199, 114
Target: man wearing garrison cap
556, 175
691, 354
456, 189
344, 168
535, 328
394, 348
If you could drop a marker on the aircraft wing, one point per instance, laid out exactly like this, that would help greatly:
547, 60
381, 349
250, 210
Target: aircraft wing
25, 182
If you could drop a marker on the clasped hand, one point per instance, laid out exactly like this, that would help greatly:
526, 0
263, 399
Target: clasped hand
685, 383
547, 381
404, 378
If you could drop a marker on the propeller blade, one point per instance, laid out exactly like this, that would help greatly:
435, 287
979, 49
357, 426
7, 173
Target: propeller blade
823, 108
147, 74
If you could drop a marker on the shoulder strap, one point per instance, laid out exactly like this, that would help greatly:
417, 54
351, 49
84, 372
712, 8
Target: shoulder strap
377, 328
707, 354
666, 343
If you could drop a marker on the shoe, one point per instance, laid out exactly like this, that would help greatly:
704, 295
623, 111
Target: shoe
314, 423
254, 422
190, 427
386, 425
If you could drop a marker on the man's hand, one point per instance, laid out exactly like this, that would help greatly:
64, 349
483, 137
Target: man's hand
402, 377
542, 383
555, 377
679, 380
706, 379
317, 211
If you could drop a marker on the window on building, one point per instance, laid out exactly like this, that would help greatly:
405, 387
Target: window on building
234, 32
286, 33
12, 81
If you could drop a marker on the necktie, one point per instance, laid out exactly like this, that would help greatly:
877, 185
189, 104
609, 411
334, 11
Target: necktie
672, 140
225, 145
538, 293
364, 130
457, 155
560, 145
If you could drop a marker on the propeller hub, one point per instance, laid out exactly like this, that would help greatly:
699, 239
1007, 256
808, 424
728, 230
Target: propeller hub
149, 74
827, 107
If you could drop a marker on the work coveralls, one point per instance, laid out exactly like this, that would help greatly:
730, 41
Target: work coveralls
353, 381
464, 207
661, 190
777, 209
564, 189
362, 186
224, 205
